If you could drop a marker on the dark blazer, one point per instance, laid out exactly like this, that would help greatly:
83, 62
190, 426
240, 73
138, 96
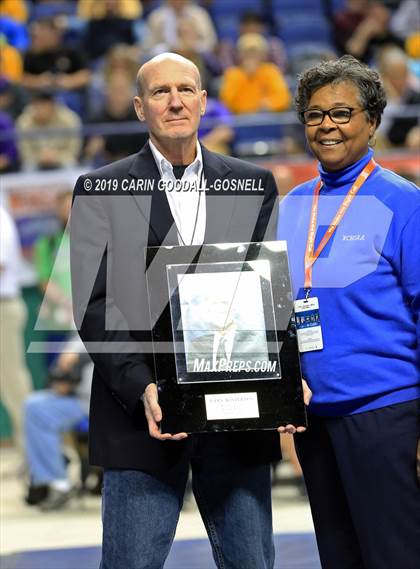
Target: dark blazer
112, 221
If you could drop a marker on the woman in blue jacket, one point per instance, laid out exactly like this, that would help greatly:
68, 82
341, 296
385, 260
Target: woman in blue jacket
354, 246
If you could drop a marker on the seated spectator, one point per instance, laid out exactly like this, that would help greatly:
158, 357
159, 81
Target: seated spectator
405, 21
11, 64
162, 28
49, 64
14, 9
13, 17
253, 23
118, 108
361, 27
109, 22
47, 415
48, 149
216, 132
255, 84
94, 10
16, 381
412, 49
51, 258
12, 98
188, 45
119, 59
402, 89
8, 150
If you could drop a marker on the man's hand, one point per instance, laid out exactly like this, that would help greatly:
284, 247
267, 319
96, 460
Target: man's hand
291, 429
153, 414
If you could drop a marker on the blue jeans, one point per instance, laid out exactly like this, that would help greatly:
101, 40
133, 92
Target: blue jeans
140, 511
46, 416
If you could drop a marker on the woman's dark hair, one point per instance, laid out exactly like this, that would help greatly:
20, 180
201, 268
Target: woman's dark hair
347, 68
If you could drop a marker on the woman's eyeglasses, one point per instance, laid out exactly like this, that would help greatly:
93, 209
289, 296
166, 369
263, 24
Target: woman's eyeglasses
338, 115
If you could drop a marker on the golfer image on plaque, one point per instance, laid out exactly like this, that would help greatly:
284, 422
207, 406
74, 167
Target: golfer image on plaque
220, 332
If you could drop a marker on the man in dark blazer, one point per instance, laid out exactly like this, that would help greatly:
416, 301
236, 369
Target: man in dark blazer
118, 210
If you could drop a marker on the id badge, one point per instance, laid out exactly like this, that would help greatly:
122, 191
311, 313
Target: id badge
308, 325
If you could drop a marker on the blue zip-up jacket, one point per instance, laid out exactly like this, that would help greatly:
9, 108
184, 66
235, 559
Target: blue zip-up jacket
367, 280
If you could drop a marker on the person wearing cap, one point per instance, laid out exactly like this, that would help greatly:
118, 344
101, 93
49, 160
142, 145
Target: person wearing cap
255, 84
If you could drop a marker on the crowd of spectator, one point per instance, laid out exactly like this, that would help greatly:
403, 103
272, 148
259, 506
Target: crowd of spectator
66, 65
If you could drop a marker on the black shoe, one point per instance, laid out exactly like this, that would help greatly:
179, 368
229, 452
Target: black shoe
36, 494
56, 500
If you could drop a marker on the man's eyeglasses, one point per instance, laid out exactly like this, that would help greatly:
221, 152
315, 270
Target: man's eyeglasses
338, 115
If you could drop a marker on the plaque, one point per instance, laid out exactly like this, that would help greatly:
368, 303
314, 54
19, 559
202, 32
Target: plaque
224, 337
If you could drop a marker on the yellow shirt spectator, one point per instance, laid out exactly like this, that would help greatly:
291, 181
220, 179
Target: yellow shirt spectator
98, 9
263, 90
255, 85
14, 9
11, 65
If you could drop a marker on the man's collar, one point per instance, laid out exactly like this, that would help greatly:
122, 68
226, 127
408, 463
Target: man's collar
164, 166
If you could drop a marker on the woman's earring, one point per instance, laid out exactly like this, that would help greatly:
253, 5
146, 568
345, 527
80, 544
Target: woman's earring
372, 140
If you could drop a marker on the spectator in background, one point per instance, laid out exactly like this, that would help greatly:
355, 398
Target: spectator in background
50, 413
188, 45
162, 27
15, 381
49, 64
406, 19
12, 99
361, 27
11, 64
48, 149
255, 84
253, 23
118, 108
52, 265
8, 150
218, 133
402, 90
412, 49
119, 59
109, 22
92, 9
13, 16
14, 9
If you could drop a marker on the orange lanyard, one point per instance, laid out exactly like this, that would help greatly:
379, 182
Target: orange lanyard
310, 255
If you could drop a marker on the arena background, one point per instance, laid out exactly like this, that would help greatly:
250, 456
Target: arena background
102, 44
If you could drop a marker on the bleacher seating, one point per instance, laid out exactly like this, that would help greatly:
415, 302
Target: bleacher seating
308, 28
257, 135
226, 14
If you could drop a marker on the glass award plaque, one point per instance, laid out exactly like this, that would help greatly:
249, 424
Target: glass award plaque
224, 337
